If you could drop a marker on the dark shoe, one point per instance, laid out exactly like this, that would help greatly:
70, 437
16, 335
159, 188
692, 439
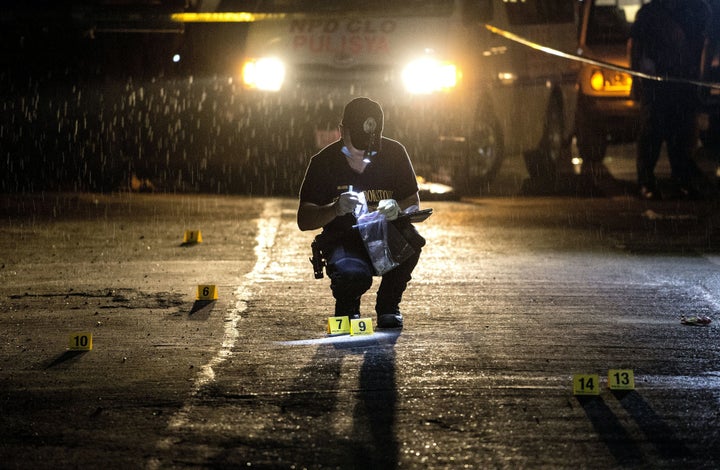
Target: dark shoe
351, 316
649, 194
390, 320
347, 309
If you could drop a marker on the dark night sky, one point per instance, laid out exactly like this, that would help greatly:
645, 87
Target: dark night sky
66, 37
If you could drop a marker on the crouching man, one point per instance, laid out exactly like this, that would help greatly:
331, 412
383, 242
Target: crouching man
360, 173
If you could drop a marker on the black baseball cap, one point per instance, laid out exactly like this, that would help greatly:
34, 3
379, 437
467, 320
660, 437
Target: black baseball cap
363, 118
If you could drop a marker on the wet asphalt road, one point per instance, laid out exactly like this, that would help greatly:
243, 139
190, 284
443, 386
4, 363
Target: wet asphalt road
514, 294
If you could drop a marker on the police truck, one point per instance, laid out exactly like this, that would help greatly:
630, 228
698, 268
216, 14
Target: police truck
458, 91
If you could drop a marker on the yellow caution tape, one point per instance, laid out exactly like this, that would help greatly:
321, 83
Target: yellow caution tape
549, 50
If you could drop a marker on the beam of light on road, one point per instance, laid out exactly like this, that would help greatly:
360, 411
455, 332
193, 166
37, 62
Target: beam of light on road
378, 337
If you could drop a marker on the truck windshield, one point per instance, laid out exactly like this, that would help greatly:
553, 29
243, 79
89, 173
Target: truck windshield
540, 12
610, 21
383, 7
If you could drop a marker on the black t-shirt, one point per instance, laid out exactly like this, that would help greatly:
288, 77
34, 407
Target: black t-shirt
389, 176
670, 35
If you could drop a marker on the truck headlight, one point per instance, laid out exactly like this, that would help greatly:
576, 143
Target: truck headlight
610, 81
427, 75
267, 73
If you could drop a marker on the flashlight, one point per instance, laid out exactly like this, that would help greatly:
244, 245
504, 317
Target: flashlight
370, 127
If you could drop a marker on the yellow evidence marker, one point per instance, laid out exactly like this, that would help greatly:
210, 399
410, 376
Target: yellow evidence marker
192, 236
621, 379
207, 292
361, 326
338, 325
586, 384
80, 341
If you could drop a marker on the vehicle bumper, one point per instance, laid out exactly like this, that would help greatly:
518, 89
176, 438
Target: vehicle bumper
616, 118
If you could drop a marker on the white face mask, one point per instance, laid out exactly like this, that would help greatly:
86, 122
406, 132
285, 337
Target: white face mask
347, 153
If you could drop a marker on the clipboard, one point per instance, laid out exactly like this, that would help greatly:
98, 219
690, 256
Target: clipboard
417, 216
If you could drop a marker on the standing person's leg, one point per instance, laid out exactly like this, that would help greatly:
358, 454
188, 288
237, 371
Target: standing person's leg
649, 144
682, 137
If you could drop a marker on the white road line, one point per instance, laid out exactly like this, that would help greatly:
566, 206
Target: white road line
267, 228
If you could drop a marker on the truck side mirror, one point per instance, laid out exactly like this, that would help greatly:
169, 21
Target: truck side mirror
477, 11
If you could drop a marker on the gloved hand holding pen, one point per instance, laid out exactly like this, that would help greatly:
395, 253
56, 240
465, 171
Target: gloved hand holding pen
346, 203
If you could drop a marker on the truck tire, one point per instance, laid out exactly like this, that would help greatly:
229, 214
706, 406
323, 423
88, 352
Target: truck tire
484, 155
591, 142
553, 141
552, 155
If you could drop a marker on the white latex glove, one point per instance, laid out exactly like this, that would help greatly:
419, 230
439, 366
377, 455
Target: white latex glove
346, 203
389, 208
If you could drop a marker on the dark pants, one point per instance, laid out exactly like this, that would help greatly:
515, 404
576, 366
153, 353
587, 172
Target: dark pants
351, 275
668, 114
